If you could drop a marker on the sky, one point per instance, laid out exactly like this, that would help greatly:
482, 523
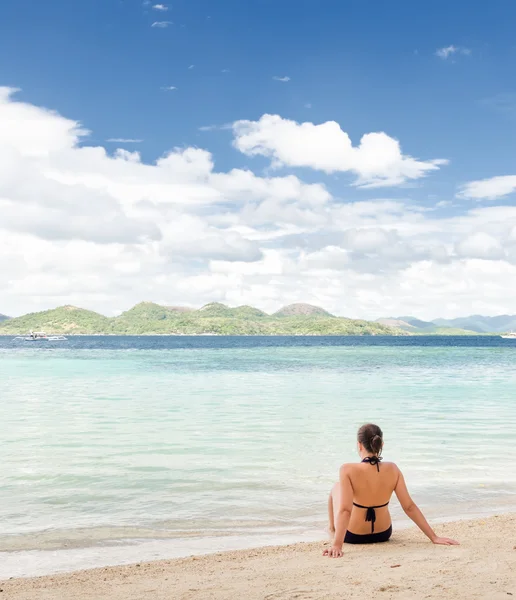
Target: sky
356, 155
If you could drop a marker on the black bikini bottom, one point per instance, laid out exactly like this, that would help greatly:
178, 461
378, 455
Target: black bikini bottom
369, 538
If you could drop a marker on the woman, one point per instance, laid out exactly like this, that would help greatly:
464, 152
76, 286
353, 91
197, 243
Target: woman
358, 504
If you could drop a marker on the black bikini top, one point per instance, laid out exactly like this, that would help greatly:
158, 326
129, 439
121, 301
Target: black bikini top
373, 460
371, 513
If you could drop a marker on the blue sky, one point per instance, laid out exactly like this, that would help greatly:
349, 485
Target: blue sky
372, 66
368, 65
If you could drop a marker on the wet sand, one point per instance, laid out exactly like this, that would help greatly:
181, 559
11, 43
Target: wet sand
408, 567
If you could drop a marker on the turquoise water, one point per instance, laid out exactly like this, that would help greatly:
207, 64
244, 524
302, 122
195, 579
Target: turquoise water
112, 453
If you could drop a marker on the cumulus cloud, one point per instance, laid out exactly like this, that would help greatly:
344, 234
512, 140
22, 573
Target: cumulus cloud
160, 7
83, 225
490, 188
284, 79
377, 161
448, 51
480, 245
191, 238
54, 188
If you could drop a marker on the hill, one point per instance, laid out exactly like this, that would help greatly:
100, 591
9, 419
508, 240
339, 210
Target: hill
301, 310
148, 318
391, 322
143, 318
214, 309
247, 312
221, 310
459, 326
419, 327
480, 324
418, 323
445, 331
66, 319
219, 319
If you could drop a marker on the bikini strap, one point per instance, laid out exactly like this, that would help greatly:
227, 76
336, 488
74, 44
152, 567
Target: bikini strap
373, 460
371, 513
379, 506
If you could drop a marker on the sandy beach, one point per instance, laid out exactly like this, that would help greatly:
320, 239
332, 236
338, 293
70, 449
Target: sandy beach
409, 566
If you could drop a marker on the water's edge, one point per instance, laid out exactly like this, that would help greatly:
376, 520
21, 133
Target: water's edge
119, 450
40, 563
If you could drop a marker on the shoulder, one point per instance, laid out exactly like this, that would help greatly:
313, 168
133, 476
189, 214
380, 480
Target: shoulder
391, 469
347, 468
390, 466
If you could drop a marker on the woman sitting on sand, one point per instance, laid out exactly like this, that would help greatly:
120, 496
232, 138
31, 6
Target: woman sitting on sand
358, 504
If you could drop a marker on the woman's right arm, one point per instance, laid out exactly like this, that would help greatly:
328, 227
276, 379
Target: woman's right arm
413, 512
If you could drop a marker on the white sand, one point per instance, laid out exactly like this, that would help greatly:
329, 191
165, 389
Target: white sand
409, 566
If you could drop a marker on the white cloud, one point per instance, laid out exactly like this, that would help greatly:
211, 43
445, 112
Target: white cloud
81, 225
160, 7
448, 51
480, 245
162, 24
213, 244
124, 141
78, 193
377, 161
489, 189
369, 240
169, 88
191, 67
223, 127
282, 79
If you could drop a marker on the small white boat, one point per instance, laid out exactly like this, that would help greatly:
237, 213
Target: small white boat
36, 336
509, 336
40, 336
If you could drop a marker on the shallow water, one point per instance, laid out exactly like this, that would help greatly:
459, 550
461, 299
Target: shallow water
119, 449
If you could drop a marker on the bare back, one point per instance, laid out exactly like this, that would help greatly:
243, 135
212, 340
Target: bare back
372, 487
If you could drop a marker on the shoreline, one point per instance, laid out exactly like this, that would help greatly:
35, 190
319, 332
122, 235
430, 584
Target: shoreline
264, 335
49, 559
408, 566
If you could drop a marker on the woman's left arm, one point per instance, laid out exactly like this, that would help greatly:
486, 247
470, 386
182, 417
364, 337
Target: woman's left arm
343, 513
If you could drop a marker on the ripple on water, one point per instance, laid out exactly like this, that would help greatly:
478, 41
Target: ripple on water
107, 445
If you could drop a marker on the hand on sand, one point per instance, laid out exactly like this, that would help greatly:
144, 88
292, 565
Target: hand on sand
333, 552
442, 541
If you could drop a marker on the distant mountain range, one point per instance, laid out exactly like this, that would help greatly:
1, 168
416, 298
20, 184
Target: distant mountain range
148, 318
416, 326
480, 324
460, 326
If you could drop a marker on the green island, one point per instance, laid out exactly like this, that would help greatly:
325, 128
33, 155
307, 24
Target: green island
148, 318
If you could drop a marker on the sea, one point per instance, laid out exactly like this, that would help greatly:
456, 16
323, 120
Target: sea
116, 450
